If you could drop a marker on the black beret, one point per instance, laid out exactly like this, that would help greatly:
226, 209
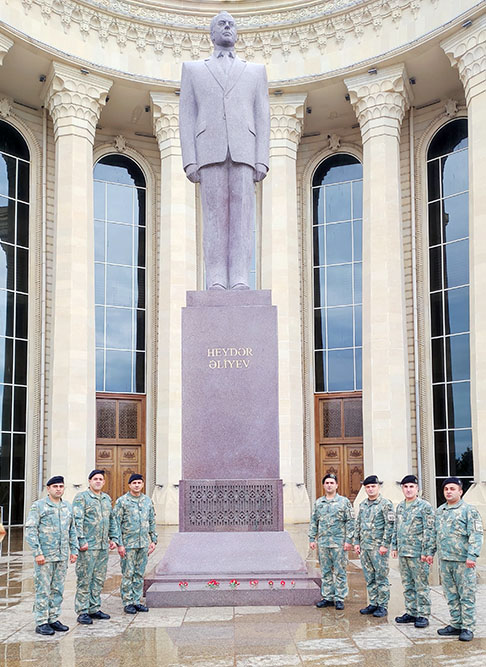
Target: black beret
96, 472
134, 476
452, 480
57, 479
329, 475
409, 479
371, 479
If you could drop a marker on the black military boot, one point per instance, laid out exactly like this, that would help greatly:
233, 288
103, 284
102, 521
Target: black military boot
44, 629
370, 609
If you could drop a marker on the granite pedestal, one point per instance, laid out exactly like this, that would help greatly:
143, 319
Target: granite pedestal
230, 495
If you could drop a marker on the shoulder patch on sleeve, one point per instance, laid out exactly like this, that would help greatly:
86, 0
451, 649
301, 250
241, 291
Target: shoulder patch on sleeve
391, 515
478, 525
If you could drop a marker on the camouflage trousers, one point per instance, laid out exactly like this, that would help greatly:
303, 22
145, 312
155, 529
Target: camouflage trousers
375, 570
333, 562
49, 588
133, 568
459, 585
415, 582
90, 575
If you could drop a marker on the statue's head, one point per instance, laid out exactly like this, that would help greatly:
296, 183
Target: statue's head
223, 30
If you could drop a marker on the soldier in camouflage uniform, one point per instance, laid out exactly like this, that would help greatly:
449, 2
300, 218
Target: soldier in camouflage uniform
51, 534
372, 537
135, 516
97, 530
413, 542
331, 530
459, 540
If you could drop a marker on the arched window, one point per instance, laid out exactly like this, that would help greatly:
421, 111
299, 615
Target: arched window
447, 189
119, 212
14, 280
337, 220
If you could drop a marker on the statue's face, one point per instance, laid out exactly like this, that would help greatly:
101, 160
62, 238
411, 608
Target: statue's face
223, 31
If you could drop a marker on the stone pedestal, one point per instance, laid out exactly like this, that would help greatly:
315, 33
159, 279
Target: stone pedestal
230, 497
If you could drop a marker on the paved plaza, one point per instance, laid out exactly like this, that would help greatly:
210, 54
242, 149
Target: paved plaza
225, 636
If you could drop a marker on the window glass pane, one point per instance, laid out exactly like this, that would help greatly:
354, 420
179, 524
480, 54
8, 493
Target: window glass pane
358, 298
457, 310
20, 405
139, 288
461, 452
439, 406
119, 245
18, 456
23, 183
99, 283
139, 379
435, 269
119, 328
458, 405
140, 333
139, 212
319, 237
23, 224
357, 189
318, 205
100, 370
357, 240
7, 220
358, 326
319, 329
20, 362
5, 407
338, 168
456, 264
338, 202
99, 200
338, 243
434, 223
140, 249
451, 137
118, 371
438, 360
454, 173
457, 356
118, 286
119, 203
358, 363
5, 453
8, 175
99, 239
455, 217
119, 169
5, 499
17, 503
22, 270
21, 315
340, 327
319, 287
433, 182
320, 371
339, 285
436, 314
6, 360
341, 370
440, 444
100, 326
7, 253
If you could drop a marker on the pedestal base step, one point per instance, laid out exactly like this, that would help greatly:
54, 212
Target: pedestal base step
302, 591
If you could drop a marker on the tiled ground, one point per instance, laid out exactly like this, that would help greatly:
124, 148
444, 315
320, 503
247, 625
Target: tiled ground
225, 636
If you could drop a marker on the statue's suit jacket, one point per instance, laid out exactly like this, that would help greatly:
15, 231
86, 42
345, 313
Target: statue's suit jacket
220, 113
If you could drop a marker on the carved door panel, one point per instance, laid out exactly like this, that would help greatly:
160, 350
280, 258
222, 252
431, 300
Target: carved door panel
339, 441
120, 441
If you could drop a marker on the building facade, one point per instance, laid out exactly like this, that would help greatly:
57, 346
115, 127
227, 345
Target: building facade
370, 232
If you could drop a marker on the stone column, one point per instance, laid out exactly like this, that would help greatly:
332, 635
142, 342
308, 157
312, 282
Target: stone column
5, 46
380, 101
281, 274
176, 275
467, 51
74, 101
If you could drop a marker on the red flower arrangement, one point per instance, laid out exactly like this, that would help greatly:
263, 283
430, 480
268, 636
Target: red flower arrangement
183, 585
282, 583
253, 583
234, 584
270, 583
212, 583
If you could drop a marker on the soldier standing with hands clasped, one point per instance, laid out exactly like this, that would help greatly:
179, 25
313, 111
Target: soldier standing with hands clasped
373, 533
331, 531
135, 516
459, 540
51, 534
97, 529
413, 542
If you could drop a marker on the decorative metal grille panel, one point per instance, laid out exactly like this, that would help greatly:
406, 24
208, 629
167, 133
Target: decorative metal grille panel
106, 419
128, 420
231, 505
331, 418
353, 418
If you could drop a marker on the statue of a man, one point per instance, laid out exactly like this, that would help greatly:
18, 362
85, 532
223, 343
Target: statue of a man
225, 128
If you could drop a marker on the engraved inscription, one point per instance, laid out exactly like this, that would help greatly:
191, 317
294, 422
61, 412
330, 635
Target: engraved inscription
229, 357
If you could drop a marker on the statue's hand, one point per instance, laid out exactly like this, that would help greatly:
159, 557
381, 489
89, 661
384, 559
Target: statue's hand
192, 173
260, 172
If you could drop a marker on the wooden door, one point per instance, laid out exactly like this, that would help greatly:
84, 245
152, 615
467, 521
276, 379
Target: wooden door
339, 441
120, 439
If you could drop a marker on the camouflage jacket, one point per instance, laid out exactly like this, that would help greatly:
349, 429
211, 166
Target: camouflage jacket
95, 523
414, 532
459, 532
50, 530
332, 521
135, 518
375, 523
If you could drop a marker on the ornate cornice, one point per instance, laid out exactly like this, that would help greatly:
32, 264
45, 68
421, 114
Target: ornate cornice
5, 46
467, 51
380, 99
286, 118
165, 114
5, 107
181, 31
75, 99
